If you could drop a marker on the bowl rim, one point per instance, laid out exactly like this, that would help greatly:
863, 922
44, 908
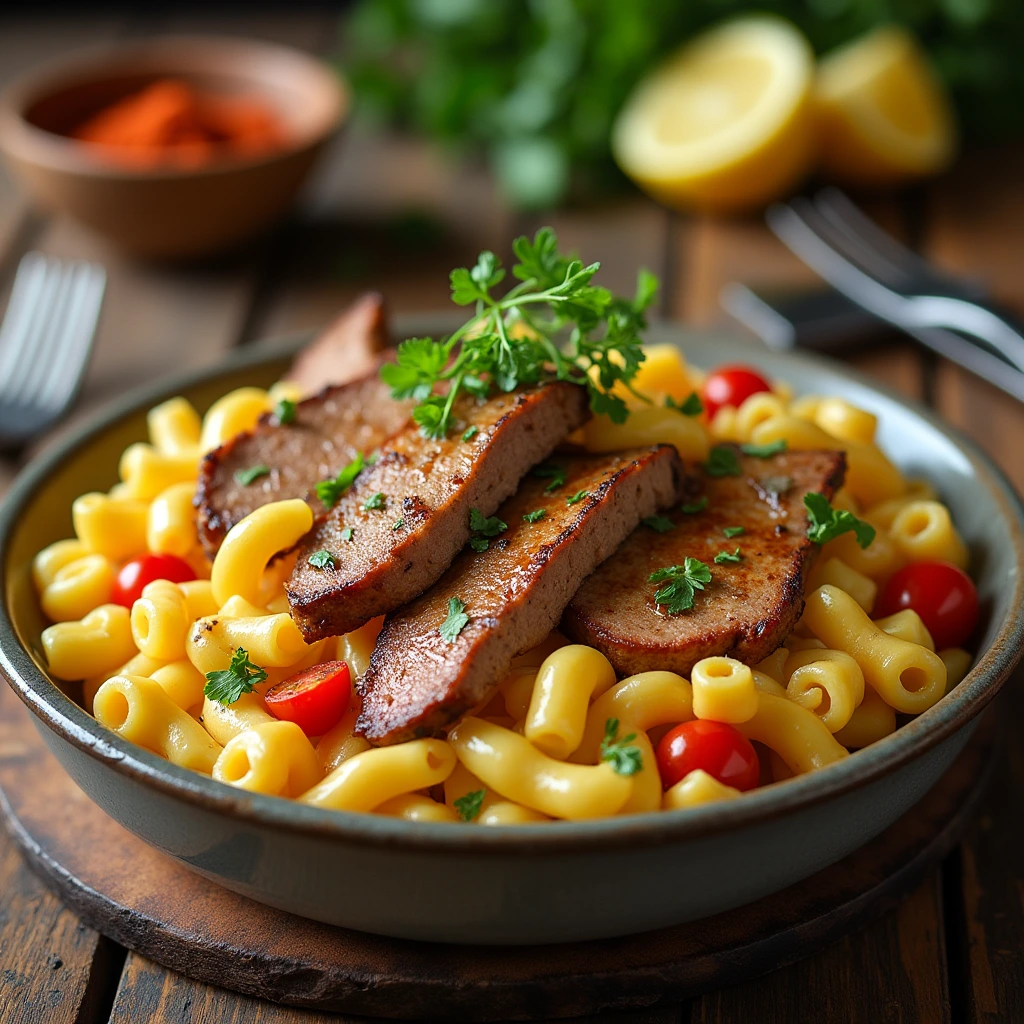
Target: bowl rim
72, 724
23, 140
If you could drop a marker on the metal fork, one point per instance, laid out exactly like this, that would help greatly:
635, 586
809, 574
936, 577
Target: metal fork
857, 258
45, 341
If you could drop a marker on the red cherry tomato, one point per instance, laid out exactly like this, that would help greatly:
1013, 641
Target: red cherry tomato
720, 749
139, 572
943, 595
314, 699
731, 385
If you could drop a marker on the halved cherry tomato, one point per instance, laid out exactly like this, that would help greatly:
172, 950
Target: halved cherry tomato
314, 699
941, 593
720, 749
139, 572
731, 385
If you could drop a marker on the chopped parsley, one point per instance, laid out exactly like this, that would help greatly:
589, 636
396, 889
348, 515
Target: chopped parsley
284, 412
723, 461
375, 502
558, 475
764, 451
484, 528
689, 406
724, 556
624, 759
693, 507
227, 685
576, 498
457, 620
535, 516
470, 433
348, 533
660, 524
329, 491
776, 485
251, 475
398, 524
827, 523
733, 531
468, 806
321, 559
682, 583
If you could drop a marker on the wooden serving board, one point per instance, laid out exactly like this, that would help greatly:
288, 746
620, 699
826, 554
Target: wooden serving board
152, 904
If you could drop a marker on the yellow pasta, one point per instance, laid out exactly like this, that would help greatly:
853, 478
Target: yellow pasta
364, 782
754, 411
534, 657
461, 783
907, 625
723, 690
510, 765
835, 572
910, 677
199, 600
115, 527
648, 425
138, 709
517, 691
174, 427
171, 523
180, 681
160, 621
236, 412
797, 735
414, 807
829, 683
873, 720
958, 664
696, 789
769, 684
273, 641
78, 587
148, 472
225, 721
772, 666
878, 561
250, 545
566, 683
924, 531
53, 558
100, 642
356, 647
340, 742
646, 795
663, 372
138, 665
844, 420
273, 758
505, 812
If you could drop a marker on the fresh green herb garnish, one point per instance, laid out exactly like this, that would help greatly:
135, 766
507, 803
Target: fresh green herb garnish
227, 685
284, 412
624, 759
558, 474
733, 531
554, 301
479, 544
251, 475
693, 507
689, 406
483, 528
723, 461
321, 559
575, 499
765, 451
776, 485
456, 621
827, 523
683, 583
329, 491
660, 524
724, 556
536, 515
398, 524
375, 502
348, 533
470, 433
468, 806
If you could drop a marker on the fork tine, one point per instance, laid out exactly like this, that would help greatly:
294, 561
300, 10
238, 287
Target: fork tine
28, 283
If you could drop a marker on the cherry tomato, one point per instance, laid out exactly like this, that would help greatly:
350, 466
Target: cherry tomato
720, 749
139, 572
314, 699
943, 595
731, 385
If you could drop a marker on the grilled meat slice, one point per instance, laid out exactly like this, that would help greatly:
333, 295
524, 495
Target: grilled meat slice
327, 432
406, 517
514, 592
749, 608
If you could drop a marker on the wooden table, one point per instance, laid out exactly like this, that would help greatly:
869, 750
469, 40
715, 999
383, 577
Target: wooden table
387, 214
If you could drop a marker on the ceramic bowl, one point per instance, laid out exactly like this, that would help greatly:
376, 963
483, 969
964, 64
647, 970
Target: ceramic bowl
168, 212
541, 883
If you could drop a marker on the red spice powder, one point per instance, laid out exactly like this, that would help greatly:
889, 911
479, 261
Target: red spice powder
169, 122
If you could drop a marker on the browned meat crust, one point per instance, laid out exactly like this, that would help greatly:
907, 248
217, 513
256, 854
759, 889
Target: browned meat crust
326, 434
514, 592
409, 513
748, 609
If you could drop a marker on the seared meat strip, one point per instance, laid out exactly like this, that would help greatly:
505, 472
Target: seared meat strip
749, 607
514, 592
398, 528
327, 432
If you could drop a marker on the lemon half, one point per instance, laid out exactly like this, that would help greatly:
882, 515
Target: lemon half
725, 124
883, 116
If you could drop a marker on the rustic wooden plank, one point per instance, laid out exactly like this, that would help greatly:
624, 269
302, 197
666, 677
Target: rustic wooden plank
891, 971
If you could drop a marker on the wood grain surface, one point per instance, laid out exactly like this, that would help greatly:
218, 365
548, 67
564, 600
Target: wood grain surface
390, 214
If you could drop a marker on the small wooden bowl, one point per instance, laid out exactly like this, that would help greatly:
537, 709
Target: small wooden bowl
167, 211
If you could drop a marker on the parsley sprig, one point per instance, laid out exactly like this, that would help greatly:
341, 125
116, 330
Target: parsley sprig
827, 523
483, 529
566, 328
681, 584
456, 622
329, 491
624, 759
468, 806
228, 684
